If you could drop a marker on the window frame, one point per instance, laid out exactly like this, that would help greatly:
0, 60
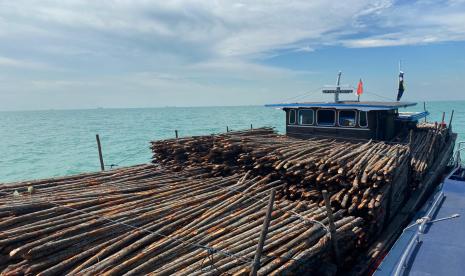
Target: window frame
289, 117
366, 118
317, 117
355, 119
313, 116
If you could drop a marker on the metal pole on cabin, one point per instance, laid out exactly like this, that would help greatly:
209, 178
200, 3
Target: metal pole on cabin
332, 227
261, 242
99, 146
450, 121
338, 87
176, 133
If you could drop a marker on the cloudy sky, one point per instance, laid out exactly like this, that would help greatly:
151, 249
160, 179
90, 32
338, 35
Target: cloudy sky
140, 53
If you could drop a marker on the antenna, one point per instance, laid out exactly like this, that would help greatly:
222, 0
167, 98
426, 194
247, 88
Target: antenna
338, 89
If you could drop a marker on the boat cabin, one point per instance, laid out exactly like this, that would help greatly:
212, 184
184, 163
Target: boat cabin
348, 119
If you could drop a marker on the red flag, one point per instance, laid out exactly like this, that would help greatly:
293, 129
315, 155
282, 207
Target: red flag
360, 88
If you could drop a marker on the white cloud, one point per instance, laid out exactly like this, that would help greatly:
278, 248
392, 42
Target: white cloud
200, 45
21, 64
419, 22
251, 29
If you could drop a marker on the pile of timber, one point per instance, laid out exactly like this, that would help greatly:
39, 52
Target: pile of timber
428, 141
212, 152
367, 179
144, 219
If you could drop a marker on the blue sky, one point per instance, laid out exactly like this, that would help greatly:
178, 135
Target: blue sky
87, 54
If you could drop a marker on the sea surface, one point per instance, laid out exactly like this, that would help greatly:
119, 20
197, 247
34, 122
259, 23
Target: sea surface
42, 144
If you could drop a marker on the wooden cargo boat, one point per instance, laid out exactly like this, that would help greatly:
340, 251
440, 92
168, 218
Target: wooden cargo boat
348, 177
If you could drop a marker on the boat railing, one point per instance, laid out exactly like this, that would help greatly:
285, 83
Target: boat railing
424, 221
415, 239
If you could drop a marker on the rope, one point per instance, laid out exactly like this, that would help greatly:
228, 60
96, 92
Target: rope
125, 159
300, 95
379, 96
428, 220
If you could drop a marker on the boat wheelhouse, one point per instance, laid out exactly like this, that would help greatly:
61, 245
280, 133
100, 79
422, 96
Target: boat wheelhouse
348, 119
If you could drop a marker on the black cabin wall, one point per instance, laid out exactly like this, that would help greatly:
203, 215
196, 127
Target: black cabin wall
381, 126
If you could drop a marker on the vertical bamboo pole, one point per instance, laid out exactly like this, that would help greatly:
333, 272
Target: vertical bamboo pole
99, 146
442, 120
410, 138
261, 242
332, 227
451, 117
424, 109
389, 198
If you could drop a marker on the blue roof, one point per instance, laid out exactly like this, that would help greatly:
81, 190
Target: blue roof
440, 249
346, 105
412, 116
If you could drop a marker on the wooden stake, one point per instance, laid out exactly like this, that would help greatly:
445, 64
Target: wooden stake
176, 133
451, 117
389, 197
99, 146
332, 227
410, 138
261, 242
424, 109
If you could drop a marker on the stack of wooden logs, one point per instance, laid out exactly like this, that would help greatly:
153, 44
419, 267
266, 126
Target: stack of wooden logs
368, 179
427, 141
143, 219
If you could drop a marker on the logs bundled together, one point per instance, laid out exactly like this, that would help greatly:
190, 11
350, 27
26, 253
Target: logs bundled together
427, 141
363, 178
216, 153
143, 219
354, 172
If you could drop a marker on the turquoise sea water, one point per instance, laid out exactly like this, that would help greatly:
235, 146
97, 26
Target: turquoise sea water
40, 144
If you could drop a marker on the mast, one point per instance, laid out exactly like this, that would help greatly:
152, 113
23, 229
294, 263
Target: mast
338, 87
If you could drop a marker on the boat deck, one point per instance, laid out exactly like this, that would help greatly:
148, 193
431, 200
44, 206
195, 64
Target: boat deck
435, 248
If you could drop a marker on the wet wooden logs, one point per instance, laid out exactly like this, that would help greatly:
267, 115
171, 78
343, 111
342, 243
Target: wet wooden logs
145, 219
361, 177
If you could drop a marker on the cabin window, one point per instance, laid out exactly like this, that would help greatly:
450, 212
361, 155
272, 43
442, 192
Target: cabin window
347, 118
326, 117
306, 117
363, 119
291, 116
